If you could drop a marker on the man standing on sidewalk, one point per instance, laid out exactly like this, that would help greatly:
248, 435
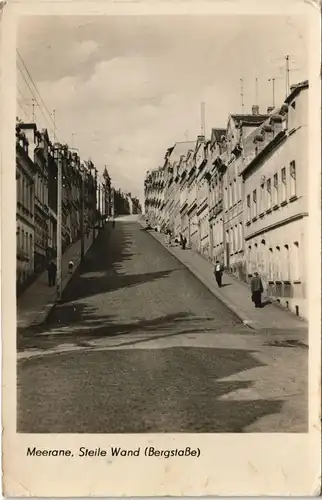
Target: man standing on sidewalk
256, 286
52, 271
218, 273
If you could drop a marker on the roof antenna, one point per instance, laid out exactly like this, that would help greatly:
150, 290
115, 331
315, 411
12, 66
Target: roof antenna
242, 94
203, 119
256, 91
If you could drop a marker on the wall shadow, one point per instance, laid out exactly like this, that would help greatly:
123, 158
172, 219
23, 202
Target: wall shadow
156, 391
101, 271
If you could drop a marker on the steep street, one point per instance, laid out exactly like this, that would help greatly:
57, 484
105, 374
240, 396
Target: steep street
140, 345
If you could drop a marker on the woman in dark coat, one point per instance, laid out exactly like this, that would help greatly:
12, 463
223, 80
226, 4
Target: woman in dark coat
256, 286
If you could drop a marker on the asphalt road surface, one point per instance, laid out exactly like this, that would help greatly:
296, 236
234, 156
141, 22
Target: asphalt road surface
140, 345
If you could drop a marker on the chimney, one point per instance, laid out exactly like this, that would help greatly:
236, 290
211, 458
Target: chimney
255, 109
30, 129
270, 109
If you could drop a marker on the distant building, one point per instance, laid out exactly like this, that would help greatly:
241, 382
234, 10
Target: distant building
275, 177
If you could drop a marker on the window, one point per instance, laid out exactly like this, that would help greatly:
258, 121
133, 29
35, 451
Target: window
296, 272
275, 189
254, 203
249, 260
255, 259
270, 265
269, 193
248, 207
23, 192
226, 198
286, 264
262, 199
292, 179
278, 264
283, 179
232, 200
263, 257
31, 200
240, 228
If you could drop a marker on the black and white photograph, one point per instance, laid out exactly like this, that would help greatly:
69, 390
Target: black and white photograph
161, 224
160, 248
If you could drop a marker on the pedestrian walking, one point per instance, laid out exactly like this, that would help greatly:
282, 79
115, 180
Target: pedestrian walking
256, 286
218, 273
184, 243
70, 266
52, 271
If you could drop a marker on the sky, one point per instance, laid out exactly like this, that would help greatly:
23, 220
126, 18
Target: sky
125, 88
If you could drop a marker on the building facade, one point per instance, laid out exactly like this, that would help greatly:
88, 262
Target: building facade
238, 128
203, 193
216, 225
275, 202
25, 229
38, 152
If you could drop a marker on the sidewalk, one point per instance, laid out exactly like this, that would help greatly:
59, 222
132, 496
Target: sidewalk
36, 302
235, 294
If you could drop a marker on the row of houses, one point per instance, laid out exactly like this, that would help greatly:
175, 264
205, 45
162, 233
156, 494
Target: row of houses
36, 212
241, 196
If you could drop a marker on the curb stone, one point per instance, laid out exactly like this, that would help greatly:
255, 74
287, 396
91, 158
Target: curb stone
43, 315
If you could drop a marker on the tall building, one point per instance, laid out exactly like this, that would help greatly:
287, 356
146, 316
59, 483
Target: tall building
275, 177
238, 128
38, 152
25, 230
202, 179
216, 223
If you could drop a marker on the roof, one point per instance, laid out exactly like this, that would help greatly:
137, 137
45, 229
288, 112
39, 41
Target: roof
269, 147
181, 148
217, 133
296, 89
250, 118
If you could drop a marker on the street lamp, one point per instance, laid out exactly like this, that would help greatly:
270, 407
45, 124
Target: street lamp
59, 162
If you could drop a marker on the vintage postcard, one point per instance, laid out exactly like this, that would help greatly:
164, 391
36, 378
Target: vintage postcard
161, 248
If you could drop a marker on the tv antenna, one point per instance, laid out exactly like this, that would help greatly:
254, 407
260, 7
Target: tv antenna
242, 94
256, 91
203, 119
